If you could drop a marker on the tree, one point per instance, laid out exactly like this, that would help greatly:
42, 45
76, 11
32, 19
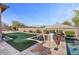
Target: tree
66, 23
75, 19
16, 25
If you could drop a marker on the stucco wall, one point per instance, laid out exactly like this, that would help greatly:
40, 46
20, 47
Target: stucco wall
41, 29
28, 29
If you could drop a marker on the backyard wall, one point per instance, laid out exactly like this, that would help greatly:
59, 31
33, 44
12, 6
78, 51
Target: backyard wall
41, 29
28, 29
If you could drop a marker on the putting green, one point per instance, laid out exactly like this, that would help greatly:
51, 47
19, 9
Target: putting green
19, 40
19, 36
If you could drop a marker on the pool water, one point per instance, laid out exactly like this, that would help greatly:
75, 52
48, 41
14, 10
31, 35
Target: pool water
72, 46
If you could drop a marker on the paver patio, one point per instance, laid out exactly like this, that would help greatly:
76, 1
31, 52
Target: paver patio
61, 48
6, 49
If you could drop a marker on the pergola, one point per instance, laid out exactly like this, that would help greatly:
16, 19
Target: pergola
3, 7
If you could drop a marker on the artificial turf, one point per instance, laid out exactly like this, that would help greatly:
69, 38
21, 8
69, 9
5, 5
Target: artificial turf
20, 41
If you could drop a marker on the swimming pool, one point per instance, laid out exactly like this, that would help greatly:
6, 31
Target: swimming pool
72, 46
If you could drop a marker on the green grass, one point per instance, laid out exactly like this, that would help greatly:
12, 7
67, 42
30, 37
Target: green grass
20, 41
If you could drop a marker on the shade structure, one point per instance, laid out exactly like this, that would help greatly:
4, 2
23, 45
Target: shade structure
3, 7
60, 26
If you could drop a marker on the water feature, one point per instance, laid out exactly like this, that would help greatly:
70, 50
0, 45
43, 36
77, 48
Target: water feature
72, 46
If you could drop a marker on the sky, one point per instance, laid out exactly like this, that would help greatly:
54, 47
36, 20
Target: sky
35, 14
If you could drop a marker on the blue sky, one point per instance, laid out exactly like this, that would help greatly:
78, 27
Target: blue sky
39, 14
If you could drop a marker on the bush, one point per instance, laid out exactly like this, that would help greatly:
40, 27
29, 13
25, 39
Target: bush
24, 31
52, 31
59, 31
30, 31
38, 31
14, 28
46, 31
70, 33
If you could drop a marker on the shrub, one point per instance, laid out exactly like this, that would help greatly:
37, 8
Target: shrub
14, 28
24, 31
46, 31
59, 31
30, 31
52, 31
70, 33
38, 31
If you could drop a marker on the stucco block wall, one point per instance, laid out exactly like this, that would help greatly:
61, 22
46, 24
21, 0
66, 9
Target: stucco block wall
41, 29
28, 29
